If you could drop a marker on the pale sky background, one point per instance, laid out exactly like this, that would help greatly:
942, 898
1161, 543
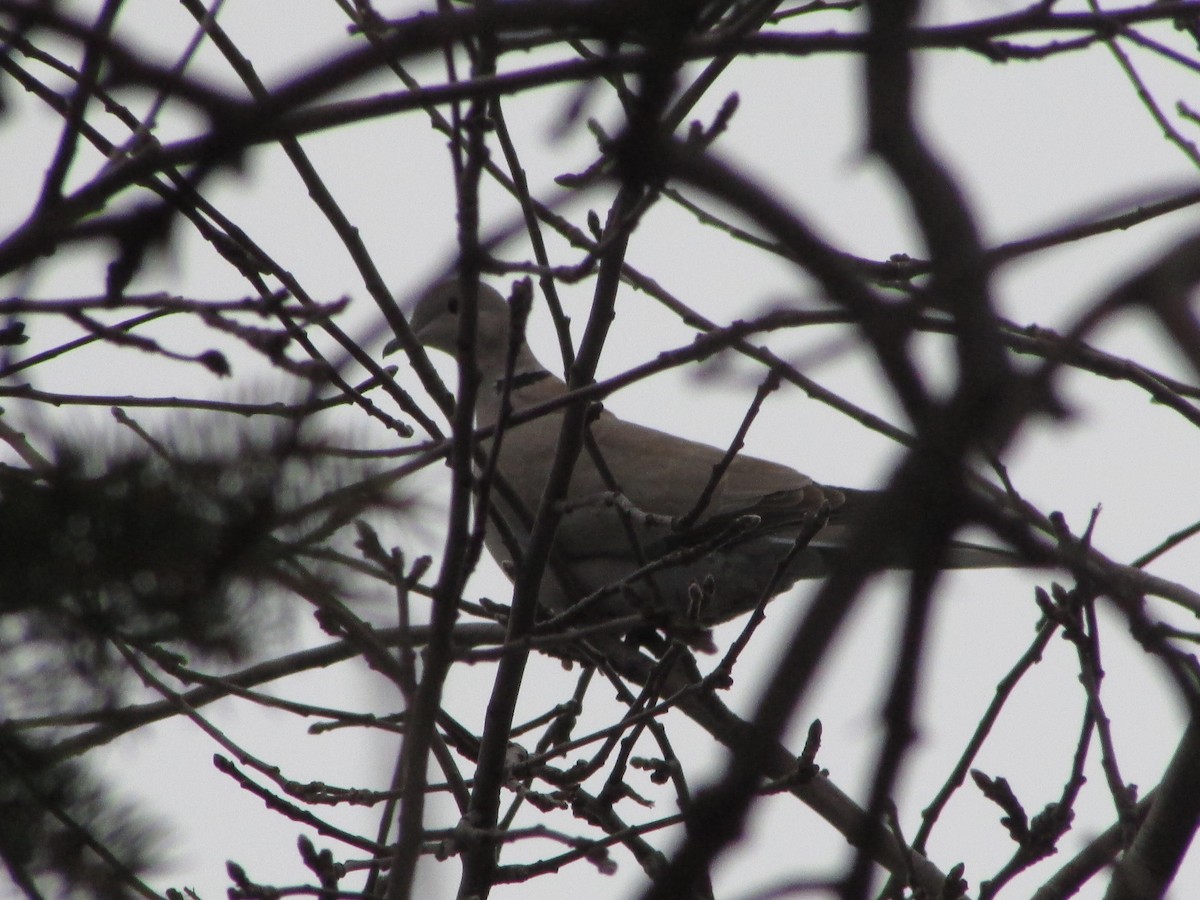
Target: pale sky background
1034, 145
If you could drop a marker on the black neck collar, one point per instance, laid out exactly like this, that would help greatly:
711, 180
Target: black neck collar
521, 379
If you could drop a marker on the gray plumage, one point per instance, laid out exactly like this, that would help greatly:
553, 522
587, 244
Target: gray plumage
719, 568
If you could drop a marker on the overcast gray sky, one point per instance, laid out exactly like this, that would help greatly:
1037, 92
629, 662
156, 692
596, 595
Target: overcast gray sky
1034, 144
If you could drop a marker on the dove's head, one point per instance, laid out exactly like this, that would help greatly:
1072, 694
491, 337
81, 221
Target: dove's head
434, 322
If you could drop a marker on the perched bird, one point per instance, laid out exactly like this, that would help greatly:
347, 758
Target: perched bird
620, 536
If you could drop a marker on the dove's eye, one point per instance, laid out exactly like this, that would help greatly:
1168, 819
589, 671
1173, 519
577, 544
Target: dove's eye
452, 305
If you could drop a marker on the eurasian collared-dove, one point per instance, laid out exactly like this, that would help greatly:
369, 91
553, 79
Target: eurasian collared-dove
714, 570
